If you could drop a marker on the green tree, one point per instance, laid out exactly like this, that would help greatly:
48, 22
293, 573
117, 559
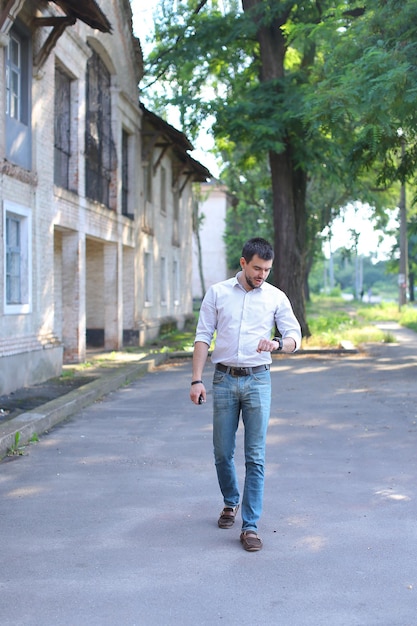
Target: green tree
366, 89
266, 74
393, 265
250, 211
412, 257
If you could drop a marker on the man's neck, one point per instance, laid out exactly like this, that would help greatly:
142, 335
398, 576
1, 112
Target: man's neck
242, 281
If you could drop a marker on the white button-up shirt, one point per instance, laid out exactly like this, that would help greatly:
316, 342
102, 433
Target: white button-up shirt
241, 318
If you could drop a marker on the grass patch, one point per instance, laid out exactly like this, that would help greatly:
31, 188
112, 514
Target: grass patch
175, 340
332, 330
390, 312
408, 318
332, 320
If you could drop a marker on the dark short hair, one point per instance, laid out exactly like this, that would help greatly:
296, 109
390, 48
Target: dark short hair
258, 246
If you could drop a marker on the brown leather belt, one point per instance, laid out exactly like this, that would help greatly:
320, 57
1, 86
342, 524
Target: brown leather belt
241, 371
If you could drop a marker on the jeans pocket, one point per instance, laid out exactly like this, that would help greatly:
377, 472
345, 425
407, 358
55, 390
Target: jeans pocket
218, 377
263, 377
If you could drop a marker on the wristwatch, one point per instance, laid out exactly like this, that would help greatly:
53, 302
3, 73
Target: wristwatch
280, 343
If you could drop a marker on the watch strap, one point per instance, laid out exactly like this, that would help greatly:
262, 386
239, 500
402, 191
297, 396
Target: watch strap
280, 343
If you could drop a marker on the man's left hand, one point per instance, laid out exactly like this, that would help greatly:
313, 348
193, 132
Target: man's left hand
267, 345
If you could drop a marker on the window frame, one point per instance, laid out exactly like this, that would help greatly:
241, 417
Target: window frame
176, 282
18, 124
164, 281
24, 217
148, 279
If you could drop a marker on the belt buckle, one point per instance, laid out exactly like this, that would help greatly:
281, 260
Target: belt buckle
238, 371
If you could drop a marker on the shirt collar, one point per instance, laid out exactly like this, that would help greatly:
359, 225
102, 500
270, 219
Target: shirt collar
236, 282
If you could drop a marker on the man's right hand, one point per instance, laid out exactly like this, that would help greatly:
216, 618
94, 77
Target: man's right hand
198, 390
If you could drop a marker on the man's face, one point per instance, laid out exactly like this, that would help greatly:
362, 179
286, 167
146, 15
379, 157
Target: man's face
255, 271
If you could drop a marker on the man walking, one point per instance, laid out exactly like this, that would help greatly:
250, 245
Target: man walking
243, 311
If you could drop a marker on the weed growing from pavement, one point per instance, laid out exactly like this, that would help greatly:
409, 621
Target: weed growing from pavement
16, 449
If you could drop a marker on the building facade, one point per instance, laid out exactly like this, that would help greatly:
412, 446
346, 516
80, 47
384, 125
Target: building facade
96, 192
209, 248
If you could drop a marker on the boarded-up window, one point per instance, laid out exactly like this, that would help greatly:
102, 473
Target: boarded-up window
99, 146
62, 122
125, 173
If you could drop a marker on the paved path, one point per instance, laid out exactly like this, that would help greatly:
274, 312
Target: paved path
110, 520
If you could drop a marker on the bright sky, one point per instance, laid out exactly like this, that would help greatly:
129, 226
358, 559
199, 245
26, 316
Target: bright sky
143, 19
368, 242
143, 11
369, 238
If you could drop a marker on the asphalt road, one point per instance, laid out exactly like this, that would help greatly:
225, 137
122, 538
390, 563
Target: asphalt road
111, 519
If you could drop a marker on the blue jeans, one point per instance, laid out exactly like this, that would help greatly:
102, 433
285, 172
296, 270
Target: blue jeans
251, 397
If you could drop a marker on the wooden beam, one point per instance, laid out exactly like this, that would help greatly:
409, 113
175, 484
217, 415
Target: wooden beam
53, 37
51, 21
165, 147
187, 178
9, 13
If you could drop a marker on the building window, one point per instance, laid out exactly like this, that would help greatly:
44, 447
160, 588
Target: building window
100, 151
125, 173
18, 106
148, 176
176, 282
14, 77
163, 190
62, 129
13, 260
164, 282
18, 266
148, 278
176, 229
148, 213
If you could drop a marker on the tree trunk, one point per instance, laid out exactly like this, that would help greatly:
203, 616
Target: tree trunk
288, 181
411, 285
288, 190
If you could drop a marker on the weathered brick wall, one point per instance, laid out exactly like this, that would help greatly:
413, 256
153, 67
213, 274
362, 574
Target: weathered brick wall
87, 259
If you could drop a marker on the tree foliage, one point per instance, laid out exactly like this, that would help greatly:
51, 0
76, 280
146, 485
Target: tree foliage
368, 84
311, 105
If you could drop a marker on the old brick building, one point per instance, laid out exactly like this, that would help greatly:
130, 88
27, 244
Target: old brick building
95, 191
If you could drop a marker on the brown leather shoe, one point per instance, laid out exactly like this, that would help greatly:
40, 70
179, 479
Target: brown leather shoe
250, 541
227, 517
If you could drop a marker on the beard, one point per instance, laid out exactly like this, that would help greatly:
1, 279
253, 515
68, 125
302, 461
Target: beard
251, 283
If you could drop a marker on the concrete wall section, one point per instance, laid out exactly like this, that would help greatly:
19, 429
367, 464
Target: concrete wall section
212, 208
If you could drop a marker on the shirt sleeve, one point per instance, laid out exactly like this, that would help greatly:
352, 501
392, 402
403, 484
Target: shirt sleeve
287, 323
207, 320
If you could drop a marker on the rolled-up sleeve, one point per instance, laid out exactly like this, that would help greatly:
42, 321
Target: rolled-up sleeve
287, 323
207, 321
